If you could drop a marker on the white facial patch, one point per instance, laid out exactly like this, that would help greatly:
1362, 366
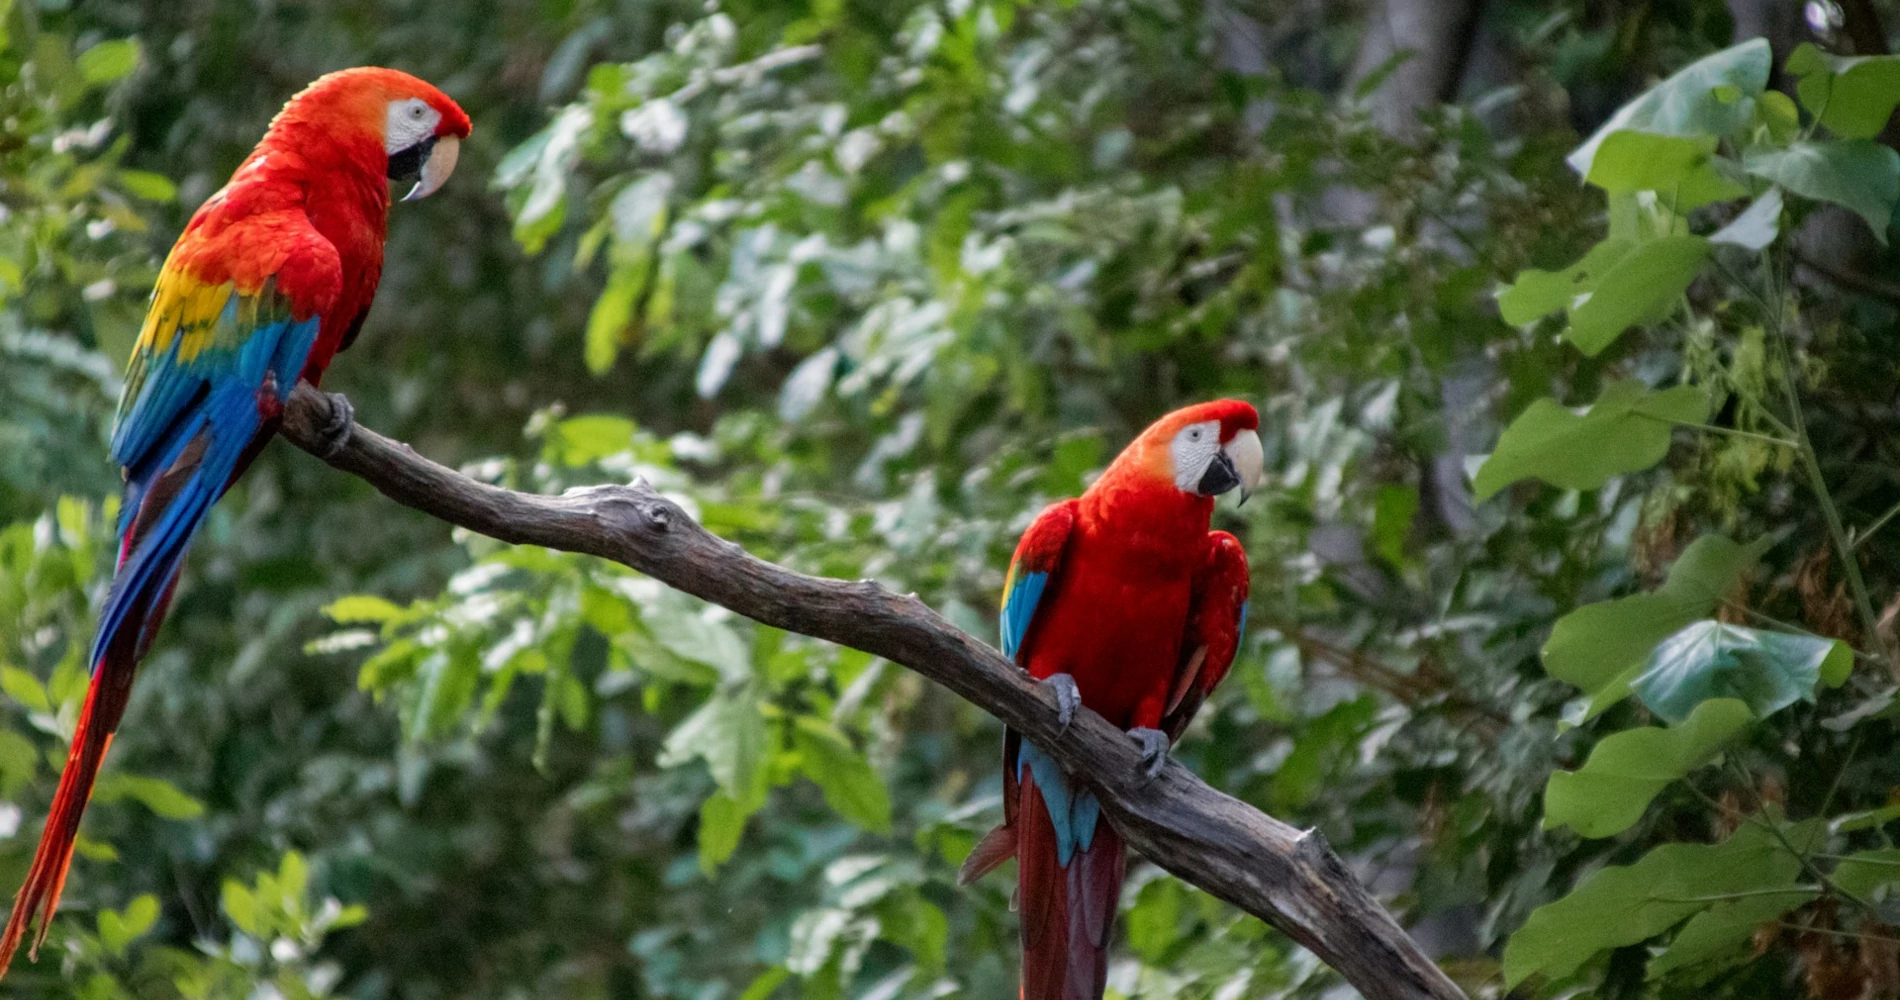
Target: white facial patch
1193, 447
410, 121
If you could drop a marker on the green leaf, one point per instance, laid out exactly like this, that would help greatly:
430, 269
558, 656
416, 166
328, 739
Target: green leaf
1688, 102
1853, 97
1618, 906
362, 609
1537, 294
595, 436
108, 61
1775, 112
1864, 873
1860, 175
843, 774
612, 312
25, 689
1602, 647
1641, 287
1626, 770
147, 185
1154, 922
911, 922
160, 796
1756, 227
1393, 509
686, 632
768, 981
1678, 167
293, 878
729, 733
721, 826
1722, 931
638, 214
241, 906
1627, 429
1866, 819
118, 928
19, 762
538, 170
1766, 670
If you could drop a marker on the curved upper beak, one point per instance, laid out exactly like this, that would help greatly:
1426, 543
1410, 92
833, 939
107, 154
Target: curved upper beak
434, 160
1247, 459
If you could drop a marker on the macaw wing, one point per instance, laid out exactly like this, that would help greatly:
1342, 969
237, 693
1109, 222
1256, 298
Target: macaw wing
221, 348
1217, 619
1032, 569
1037, 561
208, 330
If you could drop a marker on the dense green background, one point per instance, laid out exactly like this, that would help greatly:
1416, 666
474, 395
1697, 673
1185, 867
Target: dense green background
867, 283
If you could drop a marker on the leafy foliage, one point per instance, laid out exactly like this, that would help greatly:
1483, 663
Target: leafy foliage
866, 286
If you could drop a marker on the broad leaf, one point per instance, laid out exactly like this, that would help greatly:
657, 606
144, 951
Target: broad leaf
118, 928
1681, 168
1537, 294
1625, 430
1721, 931
1767, 670
1860, 175
850, 785
1853, 96
722, 822
108, 61
1714, 95
1641, 287
1865, 873
363, 609
1619, 906
1627, 769
1602, 647
157, 794
729, 733
1756, 227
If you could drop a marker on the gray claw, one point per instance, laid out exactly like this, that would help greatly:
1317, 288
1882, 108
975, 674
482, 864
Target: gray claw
336, 431
1154, 749
1068, 698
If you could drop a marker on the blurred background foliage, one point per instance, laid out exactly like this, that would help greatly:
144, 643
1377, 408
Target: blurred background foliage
866, 285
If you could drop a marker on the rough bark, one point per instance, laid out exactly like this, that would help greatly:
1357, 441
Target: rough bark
1287, 877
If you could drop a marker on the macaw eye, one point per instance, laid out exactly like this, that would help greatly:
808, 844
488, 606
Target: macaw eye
1194, 434
418, 111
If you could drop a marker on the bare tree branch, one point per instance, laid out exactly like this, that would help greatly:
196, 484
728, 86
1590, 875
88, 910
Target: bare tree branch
1289, 878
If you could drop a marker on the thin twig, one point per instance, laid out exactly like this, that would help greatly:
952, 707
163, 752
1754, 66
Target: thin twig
1861, 535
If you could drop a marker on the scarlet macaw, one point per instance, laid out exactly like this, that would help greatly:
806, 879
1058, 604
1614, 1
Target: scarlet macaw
1125, 602
273, 275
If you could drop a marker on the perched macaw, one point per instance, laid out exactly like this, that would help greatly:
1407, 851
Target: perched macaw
1125, 602
273, 275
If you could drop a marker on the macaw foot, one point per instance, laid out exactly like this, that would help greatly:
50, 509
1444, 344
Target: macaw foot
1154, 749
1068, 698
336, 431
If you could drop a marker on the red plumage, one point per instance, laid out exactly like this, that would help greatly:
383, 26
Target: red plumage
1127, 592
271, 277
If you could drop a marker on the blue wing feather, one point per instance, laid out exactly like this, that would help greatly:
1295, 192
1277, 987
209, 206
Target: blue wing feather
190, 423
1019, 608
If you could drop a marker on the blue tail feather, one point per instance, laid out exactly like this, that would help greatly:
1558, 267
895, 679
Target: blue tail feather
1074, 813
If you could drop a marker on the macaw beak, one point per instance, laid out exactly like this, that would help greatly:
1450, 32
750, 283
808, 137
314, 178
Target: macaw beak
1247, 460
430, 162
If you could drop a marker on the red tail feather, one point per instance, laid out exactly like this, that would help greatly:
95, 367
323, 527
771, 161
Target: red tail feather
92, 737
1067, 912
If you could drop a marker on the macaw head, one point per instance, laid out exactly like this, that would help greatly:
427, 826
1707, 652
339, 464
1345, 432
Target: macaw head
369, 114
1205, 449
